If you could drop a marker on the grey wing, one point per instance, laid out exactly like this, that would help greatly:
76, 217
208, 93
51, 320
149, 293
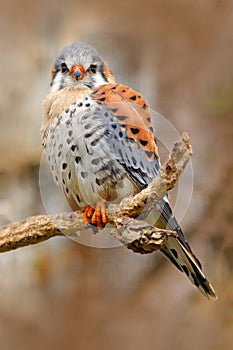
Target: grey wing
142, 169
131, 156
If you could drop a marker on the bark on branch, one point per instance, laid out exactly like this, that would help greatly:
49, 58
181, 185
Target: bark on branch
135, 234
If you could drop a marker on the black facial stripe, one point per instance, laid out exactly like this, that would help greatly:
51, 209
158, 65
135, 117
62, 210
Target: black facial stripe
104, 76
102, 72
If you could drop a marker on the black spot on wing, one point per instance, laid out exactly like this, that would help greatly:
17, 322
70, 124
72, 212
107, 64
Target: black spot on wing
113, 110
149, 154
133, 98
134, 130
121, 117
143, 142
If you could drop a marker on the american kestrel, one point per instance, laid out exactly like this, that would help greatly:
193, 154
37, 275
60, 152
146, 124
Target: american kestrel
100, 143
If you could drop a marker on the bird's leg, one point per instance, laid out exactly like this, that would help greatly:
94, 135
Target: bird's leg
96, 214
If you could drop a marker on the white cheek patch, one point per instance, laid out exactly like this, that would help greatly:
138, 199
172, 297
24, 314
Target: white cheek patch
57, 82
98, 80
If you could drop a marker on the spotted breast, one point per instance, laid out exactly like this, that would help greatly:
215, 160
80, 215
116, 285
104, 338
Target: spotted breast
102, 145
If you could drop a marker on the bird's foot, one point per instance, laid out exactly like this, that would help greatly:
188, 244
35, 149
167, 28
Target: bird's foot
96, 214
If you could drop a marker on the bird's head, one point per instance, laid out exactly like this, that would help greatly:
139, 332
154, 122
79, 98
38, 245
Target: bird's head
79, 66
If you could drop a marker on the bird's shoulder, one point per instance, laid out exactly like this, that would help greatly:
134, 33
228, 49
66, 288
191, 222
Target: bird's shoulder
131, 111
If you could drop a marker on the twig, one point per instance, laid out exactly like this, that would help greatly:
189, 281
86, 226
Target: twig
135, 234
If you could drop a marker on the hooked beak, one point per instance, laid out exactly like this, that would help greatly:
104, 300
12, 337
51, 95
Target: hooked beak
77, 72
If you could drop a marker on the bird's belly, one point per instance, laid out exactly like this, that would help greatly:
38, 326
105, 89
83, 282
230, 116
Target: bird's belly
95, 176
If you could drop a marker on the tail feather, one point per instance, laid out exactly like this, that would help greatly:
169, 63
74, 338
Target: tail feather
179, 252
185, 261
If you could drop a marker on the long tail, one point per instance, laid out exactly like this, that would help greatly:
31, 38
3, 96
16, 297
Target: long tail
185, 261
179, 252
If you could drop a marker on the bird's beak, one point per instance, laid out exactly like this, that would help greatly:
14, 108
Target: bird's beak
77, 72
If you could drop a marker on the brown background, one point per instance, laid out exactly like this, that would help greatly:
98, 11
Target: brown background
59, 294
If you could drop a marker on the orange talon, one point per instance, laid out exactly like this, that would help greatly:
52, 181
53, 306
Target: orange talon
96, 218
99, 217
103, 212
88, 212
96, 215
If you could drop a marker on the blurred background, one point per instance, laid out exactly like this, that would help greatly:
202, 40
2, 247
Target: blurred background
60, 294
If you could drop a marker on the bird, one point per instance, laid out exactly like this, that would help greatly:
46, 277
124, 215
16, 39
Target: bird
100, 143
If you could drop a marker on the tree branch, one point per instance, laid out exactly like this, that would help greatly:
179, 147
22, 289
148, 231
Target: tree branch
135, 234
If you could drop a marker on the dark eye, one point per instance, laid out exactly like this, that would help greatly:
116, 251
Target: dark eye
92, 68
64, 67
